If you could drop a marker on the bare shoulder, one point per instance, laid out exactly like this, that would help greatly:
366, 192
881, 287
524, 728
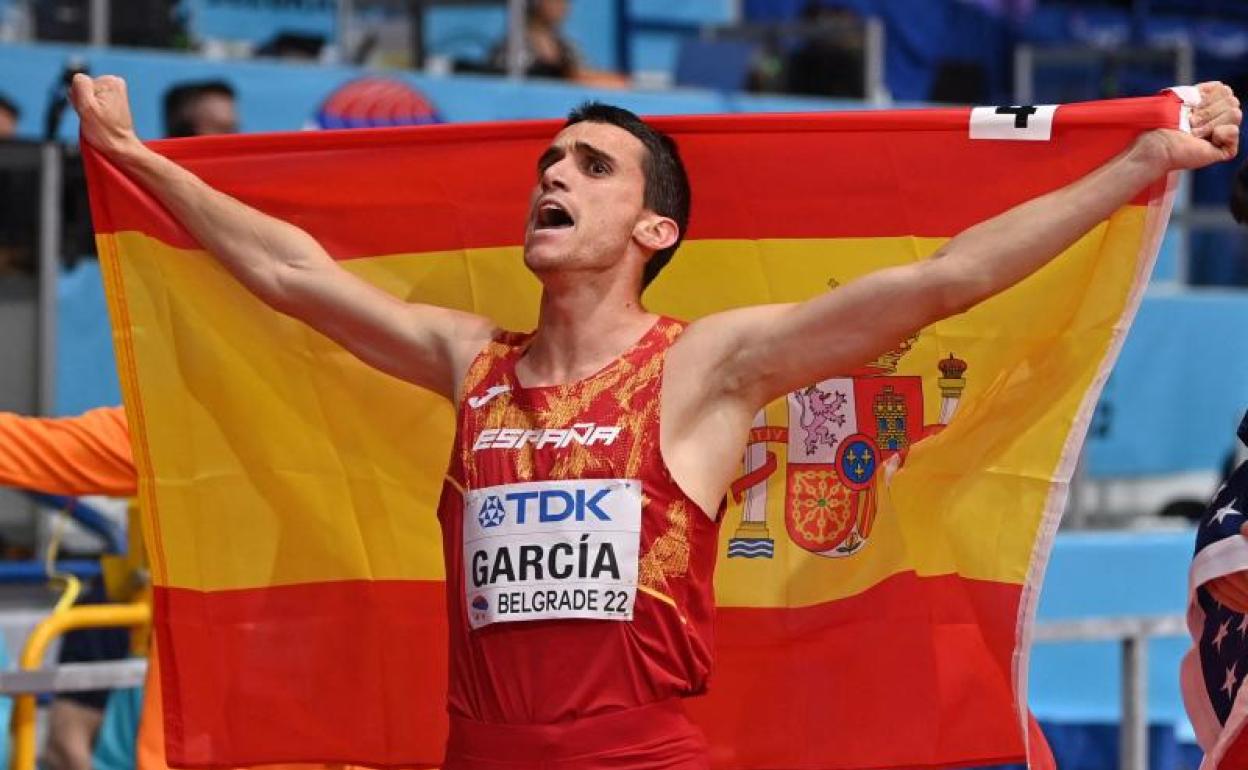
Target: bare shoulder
709, 344
463, 337
426, 345
464, 333
712, 359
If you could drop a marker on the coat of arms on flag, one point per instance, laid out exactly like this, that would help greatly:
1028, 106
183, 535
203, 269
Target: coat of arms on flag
840, 435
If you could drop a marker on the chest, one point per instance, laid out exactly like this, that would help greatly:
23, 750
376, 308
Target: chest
604, 427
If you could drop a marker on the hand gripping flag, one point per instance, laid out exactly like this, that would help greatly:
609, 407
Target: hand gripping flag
867, 618
1213, 670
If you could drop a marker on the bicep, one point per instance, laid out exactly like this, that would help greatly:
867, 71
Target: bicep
773, 349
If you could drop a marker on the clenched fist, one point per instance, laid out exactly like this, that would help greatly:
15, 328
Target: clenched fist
104, 111
1214, 136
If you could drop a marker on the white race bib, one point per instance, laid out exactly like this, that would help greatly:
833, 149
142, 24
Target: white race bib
543, 550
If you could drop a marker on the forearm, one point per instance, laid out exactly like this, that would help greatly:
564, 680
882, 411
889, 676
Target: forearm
265, 254
84, 455
771, 352
289, 271
998, 253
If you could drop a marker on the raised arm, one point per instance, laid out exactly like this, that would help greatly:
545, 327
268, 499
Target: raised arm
283, 265
84, 455
770, 350
729, 365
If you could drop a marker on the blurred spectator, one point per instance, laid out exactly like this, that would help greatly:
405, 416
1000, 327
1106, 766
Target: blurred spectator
1224, 520
77, 455
9, 113
201, 108
548, 54
1230, 588
75, 717
18, 210
141, 23
294, 46
829, 61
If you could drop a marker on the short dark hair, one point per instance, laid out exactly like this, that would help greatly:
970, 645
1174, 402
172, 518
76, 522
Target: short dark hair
667, 185
180, 97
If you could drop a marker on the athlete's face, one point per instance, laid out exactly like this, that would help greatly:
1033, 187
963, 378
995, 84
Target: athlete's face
587, 208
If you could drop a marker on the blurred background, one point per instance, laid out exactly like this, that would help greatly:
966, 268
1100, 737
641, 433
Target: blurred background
1104, 668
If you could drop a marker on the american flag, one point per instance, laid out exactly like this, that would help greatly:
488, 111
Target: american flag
1215, 668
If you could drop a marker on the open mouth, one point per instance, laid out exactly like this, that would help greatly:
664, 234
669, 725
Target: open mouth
552, 216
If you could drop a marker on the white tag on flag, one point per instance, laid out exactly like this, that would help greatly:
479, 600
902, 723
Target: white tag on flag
1190, 96
544, 550
1025, 123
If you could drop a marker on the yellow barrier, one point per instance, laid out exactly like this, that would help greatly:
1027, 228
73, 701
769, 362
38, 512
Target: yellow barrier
133, 615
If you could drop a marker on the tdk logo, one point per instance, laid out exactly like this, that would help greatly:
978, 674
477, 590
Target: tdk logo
492, 512
551, 505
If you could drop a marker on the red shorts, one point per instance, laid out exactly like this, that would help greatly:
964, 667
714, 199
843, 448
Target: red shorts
655, 737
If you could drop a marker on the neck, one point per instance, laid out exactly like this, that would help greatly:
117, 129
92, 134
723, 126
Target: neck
581, 328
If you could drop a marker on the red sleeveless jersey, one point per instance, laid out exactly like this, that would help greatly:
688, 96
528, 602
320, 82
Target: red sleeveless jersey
579, 575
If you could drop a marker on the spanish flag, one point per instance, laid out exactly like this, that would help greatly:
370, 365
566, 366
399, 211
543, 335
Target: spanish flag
882, 551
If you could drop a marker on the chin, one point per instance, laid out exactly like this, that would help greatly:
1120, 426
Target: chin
541, 258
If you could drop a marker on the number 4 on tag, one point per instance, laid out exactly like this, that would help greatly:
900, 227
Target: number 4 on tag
1020, 123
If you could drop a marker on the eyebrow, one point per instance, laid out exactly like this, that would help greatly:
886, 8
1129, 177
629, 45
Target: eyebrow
554, 153
548, 158
595, 153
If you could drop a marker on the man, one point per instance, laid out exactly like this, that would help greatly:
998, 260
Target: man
202, 108
611, 411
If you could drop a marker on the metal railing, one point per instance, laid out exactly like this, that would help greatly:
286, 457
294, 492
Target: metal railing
75, 677
515, 9
51, 190
1133, 633
30, 679
1028, 57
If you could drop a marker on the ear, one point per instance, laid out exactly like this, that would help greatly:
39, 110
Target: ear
656, 232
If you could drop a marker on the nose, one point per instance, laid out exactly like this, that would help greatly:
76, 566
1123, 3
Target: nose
555, 176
